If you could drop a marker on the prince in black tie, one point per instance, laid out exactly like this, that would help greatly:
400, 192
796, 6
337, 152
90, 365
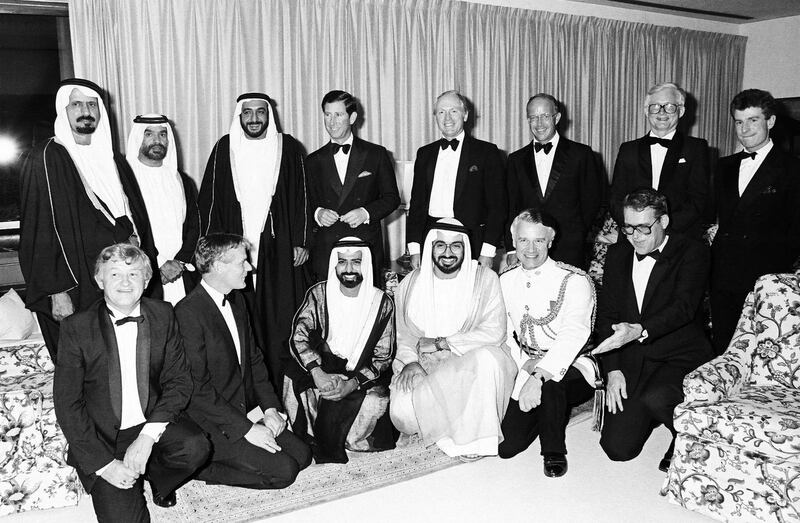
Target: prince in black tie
649, 318
121, 385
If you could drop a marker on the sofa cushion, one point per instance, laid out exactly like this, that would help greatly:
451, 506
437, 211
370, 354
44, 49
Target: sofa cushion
776, 325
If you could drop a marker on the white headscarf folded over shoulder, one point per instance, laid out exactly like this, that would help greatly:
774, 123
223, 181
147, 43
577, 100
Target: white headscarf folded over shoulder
95, 162
351, 319
254, 166
440, 307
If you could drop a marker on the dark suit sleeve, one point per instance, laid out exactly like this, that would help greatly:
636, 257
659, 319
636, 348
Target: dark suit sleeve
175, 380
690, 286
264, 390
688, 214
592, 188
609, 304
514, 193
496, 200
388, 195
69, 399
418, 210
206, 400
624, 168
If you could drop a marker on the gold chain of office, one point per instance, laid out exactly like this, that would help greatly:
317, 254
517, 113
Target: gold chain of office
528, 322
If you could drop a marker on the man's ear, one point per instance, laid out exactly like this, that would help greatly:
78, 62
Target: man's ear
353, 117
99, 279
664, 219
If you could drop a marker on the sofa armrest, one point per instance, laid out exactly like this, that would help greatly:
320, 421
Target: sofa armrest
720, 378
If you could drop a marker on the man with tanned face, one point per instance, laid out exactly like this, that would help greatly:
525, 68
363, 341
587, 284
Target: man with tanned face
255, 186
77, 198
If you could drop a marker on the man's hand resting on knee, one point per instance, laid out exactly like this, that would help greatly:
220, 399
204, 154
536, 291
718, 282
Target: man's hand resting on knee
138, 453
117, 474
262, 437
408, 377
616, 391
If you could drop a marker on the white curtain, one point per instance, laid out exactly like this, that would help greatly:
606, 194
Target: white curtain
189, 59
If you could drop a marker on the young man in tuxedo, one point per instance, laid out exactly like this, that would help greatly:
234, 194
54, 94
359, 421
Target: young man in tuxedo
758, 212
557, 176
459, 177
233, 399
351, 186
650, 319
121, 385
667, 160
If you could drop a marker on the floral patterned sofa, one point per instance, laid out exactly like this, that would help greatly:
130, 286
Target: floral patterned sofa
33, 471
737, 453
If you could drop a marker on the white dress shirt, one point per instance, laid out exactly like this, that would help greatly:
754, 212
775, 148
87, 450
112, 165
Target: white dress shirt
749, 166
641, 273
544, 162
658, 153
341, 160
227, 315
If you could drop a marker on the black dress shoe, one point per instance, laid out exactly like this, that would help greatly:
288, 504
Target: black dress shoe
165, 501
555, 465
663, 465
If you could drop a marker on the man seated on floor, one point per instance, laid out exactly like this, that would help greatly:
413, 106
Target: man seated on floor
550, 309
343, 339
453, 371
650, 318
233, 399
121, 385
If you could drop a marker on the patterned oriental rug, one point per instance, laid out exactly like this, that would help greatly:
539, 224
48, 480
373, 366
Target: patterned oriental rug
198, 502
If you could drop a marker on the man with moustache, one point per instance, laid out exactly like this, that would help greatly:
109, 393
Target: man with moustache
170, 197
254, 185
758, 211
121, 385
550, 310
77, 198
351, 186
667, 160
233, 400
453, 373
559, 177
459, 177
650, 320
343, 338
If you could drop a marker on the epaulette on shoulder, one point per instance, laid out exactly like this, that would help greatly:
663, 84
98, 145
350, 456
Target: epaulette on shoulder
509, 268
572, 268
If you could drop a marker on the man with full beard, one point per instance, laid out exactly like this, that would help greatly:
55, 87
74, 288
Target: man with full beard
170, 197
453, 371
343, 337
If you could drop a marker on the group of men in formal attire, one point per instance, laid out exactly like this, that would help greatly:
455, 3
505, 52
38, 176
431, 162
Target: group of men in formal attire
282, 345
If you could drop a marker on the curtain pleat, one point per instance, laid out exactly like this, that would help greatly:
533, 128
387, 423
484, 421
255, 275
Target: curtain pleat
190, 59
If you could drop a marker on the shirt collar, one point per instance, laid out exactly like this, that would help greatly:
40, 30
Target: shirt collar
549, 262
761, 153
669, 136
117, 314
460, 138
554, 140
214, 293
349, 140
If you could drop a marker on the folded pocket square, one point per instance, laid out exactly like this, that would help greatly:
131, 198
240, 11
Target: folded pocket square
473, 168
682, 160
364, 174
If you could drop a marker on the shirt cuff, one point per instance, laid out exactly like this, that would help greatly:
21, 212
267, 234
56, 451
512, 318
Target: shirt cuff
100, 471
316, 216
154, 430
413, 248
366, 211
488, 249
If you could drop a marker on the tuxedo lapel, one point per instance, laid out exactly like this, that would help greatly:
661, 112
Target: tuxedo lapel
464, 163
658, 272
531, 172
630, 304
433, 151
559, 166
144, 342
671, 159
329, 169
762, 179
239, 316
112, 360
354, 165
218, 324
645, 163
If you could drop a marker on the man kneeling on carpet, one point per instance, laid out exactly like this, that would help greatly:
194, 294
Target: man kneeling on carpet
453, 371
550, 309
121, 385
343, 340
233, 399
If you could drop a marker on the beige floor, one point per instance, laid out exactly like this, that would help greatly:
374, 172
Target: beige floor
594, 490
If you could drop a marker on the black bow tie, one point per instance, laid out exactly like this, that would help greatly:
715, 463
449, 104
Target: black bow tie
744, 154
127, 319
451, 143
344, 147
225, 299
652, 140
656, 254
539, 146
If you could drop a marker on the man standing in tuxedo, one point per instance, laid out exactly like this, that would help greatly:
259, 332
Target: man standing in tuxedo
459, 177
557, 176
758, 212
233, 399
351, 185
649, 316
121, 384
666, 159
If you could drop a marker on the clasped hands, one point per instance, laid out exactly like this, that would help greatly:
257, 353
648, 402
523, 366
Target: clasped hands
353, 218
333, 387
124, 473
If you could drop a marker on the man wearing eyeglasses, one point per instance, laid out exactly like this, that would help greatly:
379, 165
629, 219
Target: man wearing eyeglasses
666, 159
557, 176
649, 318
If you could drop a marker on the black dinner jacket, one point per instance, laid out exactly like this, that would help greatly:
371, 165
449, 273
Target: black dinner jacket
224, 390
759, 232
573, 196
87, 389
480, 201
685, 180
671, 309
370, 183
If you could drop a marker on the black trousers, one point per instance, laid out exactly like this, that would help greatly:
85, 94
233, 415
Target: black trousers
181, 450
726, 308
50, 333
242, 464
548, 421
652, 404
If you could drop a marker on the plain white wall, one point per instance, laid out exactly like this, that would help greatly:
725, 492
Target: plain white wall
771, 60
